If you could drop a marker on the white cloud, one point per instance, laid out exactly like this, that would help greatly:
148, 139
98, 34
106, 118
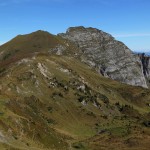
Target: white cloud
132, 35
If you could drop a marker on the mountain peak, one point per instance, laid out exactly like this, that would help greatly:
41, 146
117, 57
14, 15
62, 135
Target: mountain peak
38, 32
81, 30
41, 32
109, 56
70, 29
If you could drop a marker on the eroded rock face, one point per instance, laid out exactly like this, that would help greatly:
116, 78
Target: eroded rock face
111, 58
145, 66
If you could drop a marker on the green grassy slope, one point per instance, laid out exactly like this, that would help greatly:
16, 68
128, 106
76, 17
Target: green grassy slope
28, 45
57, 102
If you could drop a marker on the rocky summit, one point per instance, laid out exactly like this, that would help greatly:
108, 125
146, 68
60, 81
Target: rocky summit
111, 58
57, 93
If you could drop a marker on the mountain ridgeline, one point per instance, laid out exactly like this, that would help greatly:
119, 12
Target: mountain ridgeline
98, 49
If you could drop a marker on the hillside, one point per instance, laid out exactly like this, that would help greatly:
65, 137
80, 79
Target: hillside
55, 101
51, 100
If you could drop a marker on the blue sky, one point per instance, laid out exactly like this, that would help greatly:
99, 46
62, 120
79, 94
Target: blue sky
127, 20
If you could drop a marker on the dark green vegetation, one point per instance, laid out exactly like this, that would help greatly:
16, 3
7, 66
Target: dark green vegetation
57, 102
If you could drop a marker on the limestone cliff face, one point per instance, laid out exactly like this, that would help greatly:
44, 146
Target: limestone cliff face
111, 58
146, 66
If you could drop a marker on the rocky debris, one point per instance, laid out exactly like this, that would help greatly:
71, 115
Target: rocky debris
58, 49
2, 138
102, 131
64, 70
37, 83
81, 88
109, 57
18, 90
84, 103
43, 70
24, 61
96, 104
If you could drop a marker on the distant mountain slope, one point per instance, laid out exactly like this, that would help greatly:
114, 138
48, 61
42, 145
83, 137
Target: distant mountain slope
52, 102
110, 57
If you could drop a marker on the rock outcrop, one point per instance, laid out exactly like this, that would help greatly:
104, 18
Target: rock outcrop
110, 57
146, 66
